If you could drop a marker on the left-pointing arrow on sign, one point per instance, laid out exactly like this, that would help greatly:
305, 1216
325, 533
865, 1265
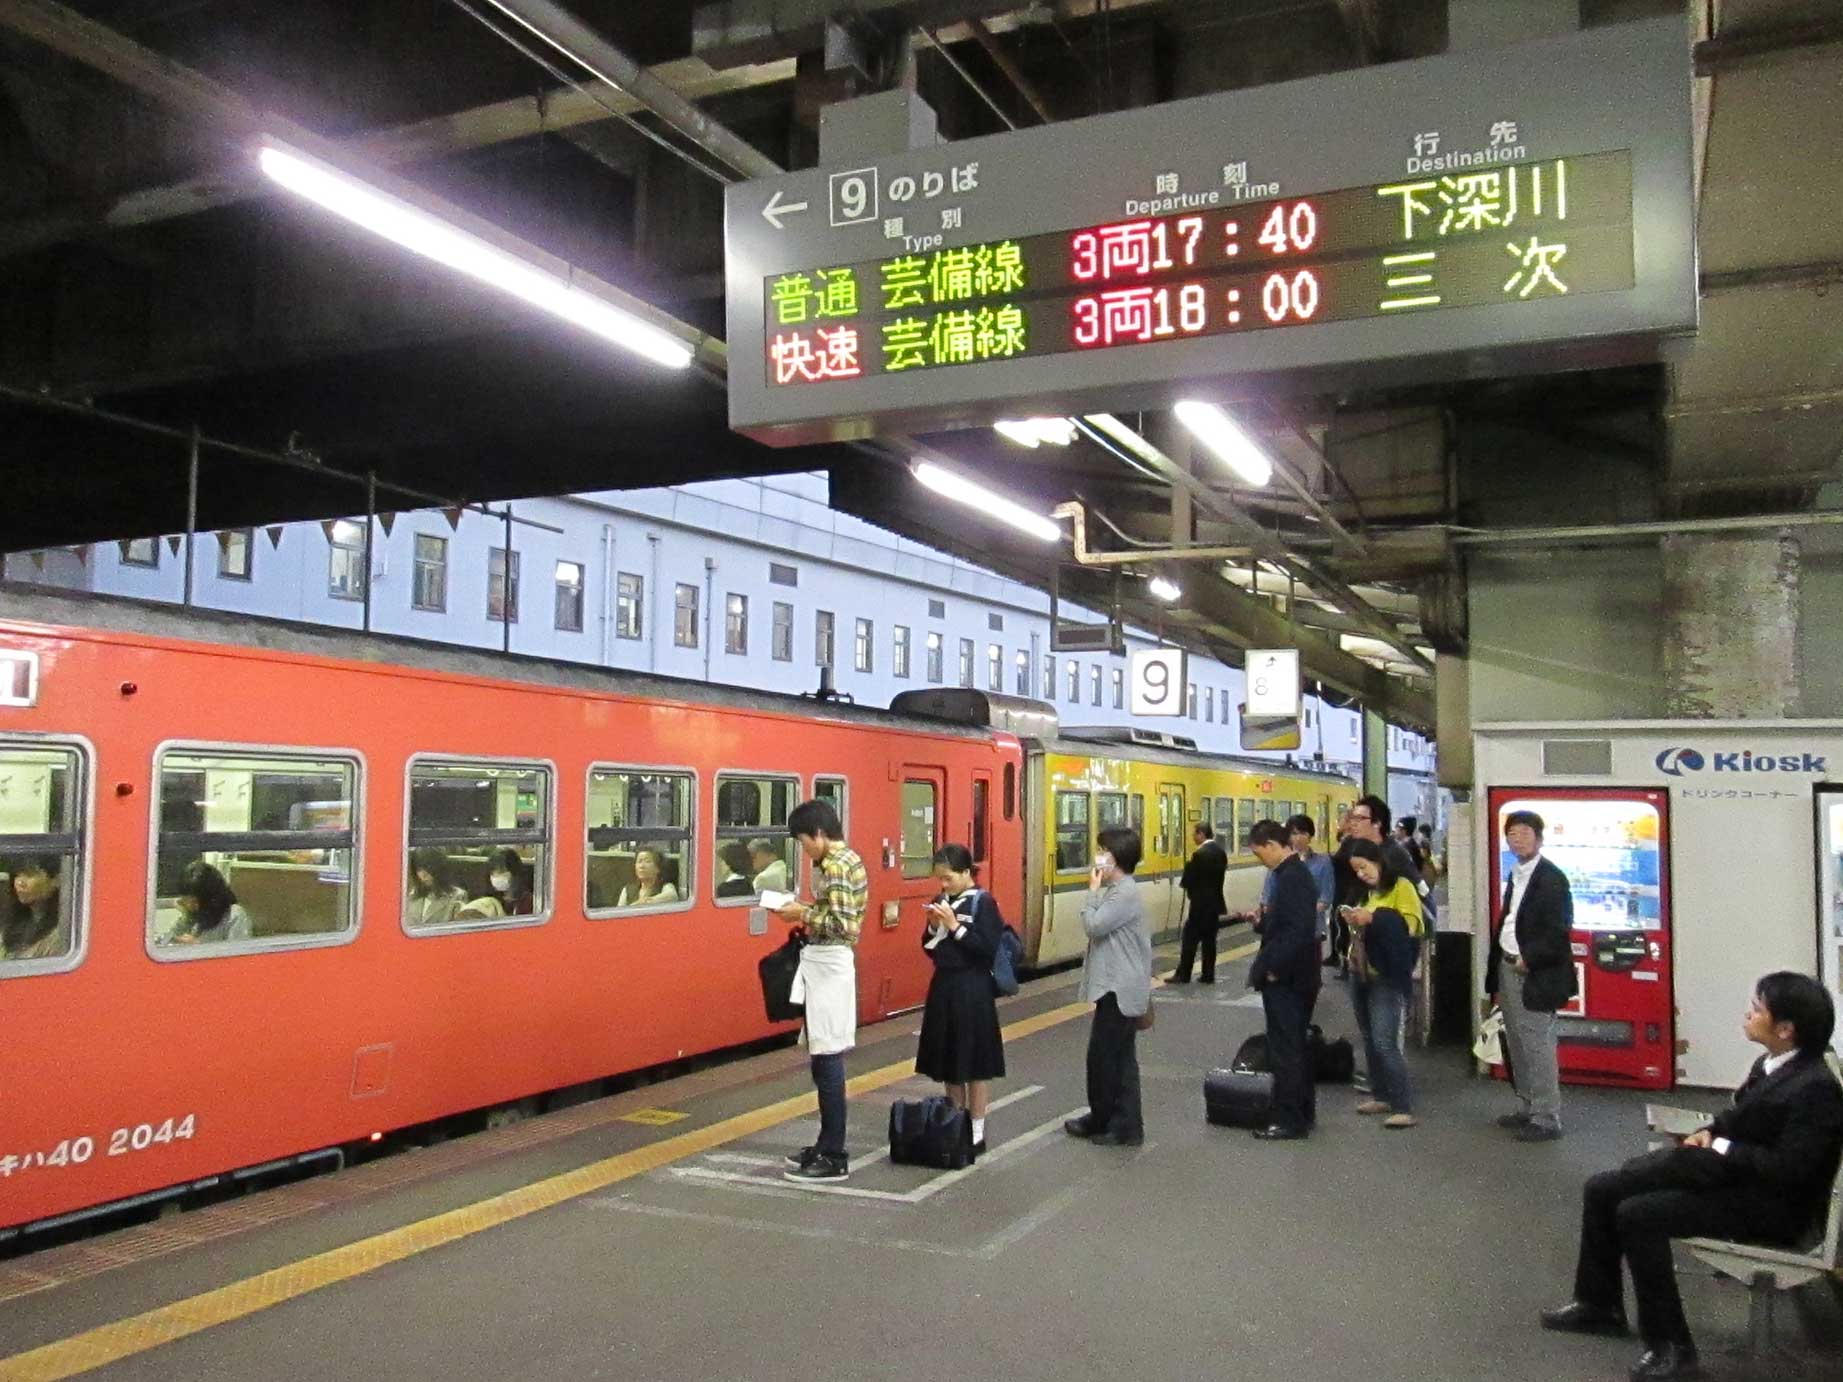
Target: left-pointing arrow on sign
776, 208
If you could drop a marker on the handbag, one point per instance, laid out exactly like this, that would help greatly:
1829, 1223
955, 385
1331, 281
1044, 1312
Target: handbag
1489, 1048
777, 969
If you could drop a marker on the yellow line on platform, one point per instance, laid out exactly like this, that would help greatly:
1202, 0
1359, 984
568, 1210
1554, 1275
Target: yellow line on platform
109, 1343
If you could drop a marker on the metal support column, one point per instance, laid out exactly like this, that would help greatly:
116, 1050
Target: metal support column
505, 588
371, 512
191, 511
1375, 754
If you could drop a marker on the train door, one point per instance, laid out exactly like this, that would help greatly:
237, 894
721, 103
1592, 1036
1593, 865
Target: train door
1039, 880
1174, 831
922, 803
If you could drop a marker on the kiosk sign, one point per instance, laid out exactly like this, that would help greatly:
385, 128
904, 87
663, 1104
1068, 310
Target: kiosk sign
1480, 214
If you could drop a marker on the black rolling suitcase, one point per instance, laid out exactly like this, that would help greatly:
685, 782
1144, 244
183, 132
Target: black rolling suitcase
930, 1132
1238, 1098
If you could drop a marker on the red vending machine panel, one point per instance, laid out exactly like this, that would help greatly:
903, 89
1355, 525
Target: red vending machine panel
1614, 845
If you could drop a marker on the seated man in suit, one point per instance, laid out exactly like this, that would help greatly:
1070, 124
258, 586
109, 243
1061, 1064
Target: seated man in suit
1760, 1172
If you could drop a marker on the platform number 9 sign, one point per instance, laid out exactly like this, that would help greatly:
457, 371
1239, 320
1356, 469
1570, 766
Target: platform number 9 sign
854, 196
1158, 681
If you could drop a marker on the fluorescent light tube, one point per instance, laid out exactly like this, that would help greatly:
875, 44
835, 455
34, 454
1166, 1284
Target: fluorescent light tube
1164, 589
424, 233
963, 491
1033, 431
1218, 432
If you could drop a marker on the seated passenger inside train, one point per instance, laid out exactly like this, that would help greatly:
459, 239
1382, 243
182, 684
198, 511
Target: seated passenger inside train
739, 869
209, 913
656, 880
770, 866
510, 880
33, 923
434, 895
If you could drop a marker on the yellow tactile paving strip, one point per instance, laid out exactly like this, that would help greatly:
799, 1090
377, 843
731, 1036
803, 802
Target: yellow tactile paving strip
110, 1343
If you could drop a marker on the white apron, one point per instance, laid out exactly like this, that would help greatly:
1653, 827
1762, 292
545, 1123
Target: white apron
827, 982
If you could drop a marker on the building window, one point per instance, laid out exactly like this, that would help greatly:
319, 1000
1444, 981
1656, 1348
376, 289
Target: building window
234, 548
501, 585
966, 662
236, 814
825, 645
429, 579
1119, 688
482, 831
782, 639
1023, 672
736, 624
937, 609
685, 615
780, 574
1049, 678
899, 652
1074, 682
936, 656
863, 652
629, 597
345, 564
996, 623
1209, 704
140, 551
639, 840
1094, 683
569, 596
995, 668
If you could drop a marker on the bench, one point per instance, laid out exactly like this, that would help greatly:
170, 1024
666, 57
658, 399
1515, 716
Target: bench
1765, 1270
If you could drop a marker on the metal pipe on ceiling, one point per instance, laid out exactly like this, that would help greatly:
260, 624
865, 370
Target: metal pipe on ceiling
1633, 532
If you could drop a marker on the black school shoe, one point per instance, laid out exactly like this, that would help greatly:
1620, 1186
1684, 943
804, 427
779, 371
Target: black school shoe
820, 1168
1114, 1139
1665, 1362
1577, 1317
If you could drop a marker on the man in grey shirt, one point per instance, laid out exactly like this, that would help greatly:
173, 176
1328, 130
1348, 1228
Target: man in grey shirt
1117, 979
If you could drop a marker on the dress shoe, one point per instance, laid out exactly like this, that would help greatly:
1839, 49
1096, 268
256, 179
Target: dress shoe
1538, 1132
1178, 979
1513, 1121
1078, 1127
1114, 1139
1211, 980
1279, 1132
1666, 1361
1577, 1317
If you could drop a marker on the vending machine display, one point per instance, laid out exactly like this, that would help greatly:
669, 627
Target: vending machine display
1613, 845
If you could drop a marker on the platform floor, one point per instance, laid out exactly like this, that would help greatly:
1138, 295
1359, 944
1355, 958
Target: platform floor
670, 1248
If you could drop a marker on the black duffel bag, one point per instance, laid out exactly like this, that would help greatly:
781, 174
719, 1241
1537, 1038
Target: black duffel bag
1333, 1062
1252, 1054
1238, 1098
777, 969
930, 1132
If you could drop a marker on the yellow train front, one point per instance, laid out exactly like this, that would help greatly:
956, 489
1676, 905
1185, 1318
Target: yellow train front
1084, 780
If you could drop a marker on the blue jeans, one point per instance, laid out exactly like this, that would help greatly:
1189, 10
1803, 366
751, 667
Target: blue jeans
829, 1080
1381, 1010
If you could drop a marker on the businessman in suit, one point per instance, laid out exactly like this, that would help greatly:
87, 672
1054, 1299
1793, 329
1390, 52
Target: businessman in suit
1286, 975
1202, 886
1530, 974
1761, 1171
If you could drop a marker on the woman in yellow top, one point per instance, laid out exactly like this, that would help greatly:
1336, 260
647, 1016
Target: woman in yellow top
1388, 928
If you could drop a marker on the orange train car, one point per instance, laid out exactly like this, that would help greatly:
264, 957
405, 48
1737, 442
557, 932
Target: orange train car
459, 879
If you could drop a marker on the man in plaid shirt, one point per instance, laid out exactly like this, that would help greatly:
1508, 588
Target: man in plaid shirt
827, 981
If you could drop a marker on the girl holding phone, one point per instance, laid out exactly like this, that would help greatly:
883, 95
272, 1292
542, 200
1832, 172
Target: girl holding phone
960, 1041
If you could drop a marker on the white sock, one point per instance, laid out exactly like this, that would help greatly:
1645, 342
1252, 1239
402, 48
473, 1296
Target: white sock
979, 1130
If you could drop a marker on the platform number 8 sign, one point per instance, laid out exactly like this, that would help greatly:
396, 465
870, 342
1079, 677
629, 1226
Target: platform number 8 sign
1158, 685
854, 196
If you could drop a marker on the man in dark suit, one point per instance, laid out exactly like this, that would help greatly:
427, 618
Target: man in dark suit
1202, 885
1285, 974
1530, 974
1761, 1171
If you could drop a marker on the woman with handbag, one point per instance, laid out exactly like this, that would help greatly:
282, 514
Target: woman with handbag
960, 1042
1117, 979
1386, 933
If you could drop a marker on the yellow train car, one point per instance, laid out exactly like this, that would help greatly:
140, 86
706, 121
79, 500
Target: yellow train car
1085, 780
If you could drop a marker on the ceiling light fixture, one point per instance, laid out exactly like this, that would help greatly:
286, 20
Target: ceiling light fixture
1232, 446
963, 491
424, 233
1164, 589
1034, 431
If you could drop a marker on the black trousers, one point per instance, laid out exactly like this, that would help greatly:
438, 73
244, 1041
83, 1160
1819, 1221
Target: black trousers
1113, 1071
1198, 935
1635, 1211
1295, 1097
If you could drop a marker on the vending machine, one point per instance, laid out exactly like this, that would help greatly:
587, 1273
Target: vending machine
1614, 846
1829, 799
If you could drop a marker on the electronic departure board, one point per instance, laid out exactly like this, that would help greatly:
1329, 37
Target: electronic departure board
1520, 225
